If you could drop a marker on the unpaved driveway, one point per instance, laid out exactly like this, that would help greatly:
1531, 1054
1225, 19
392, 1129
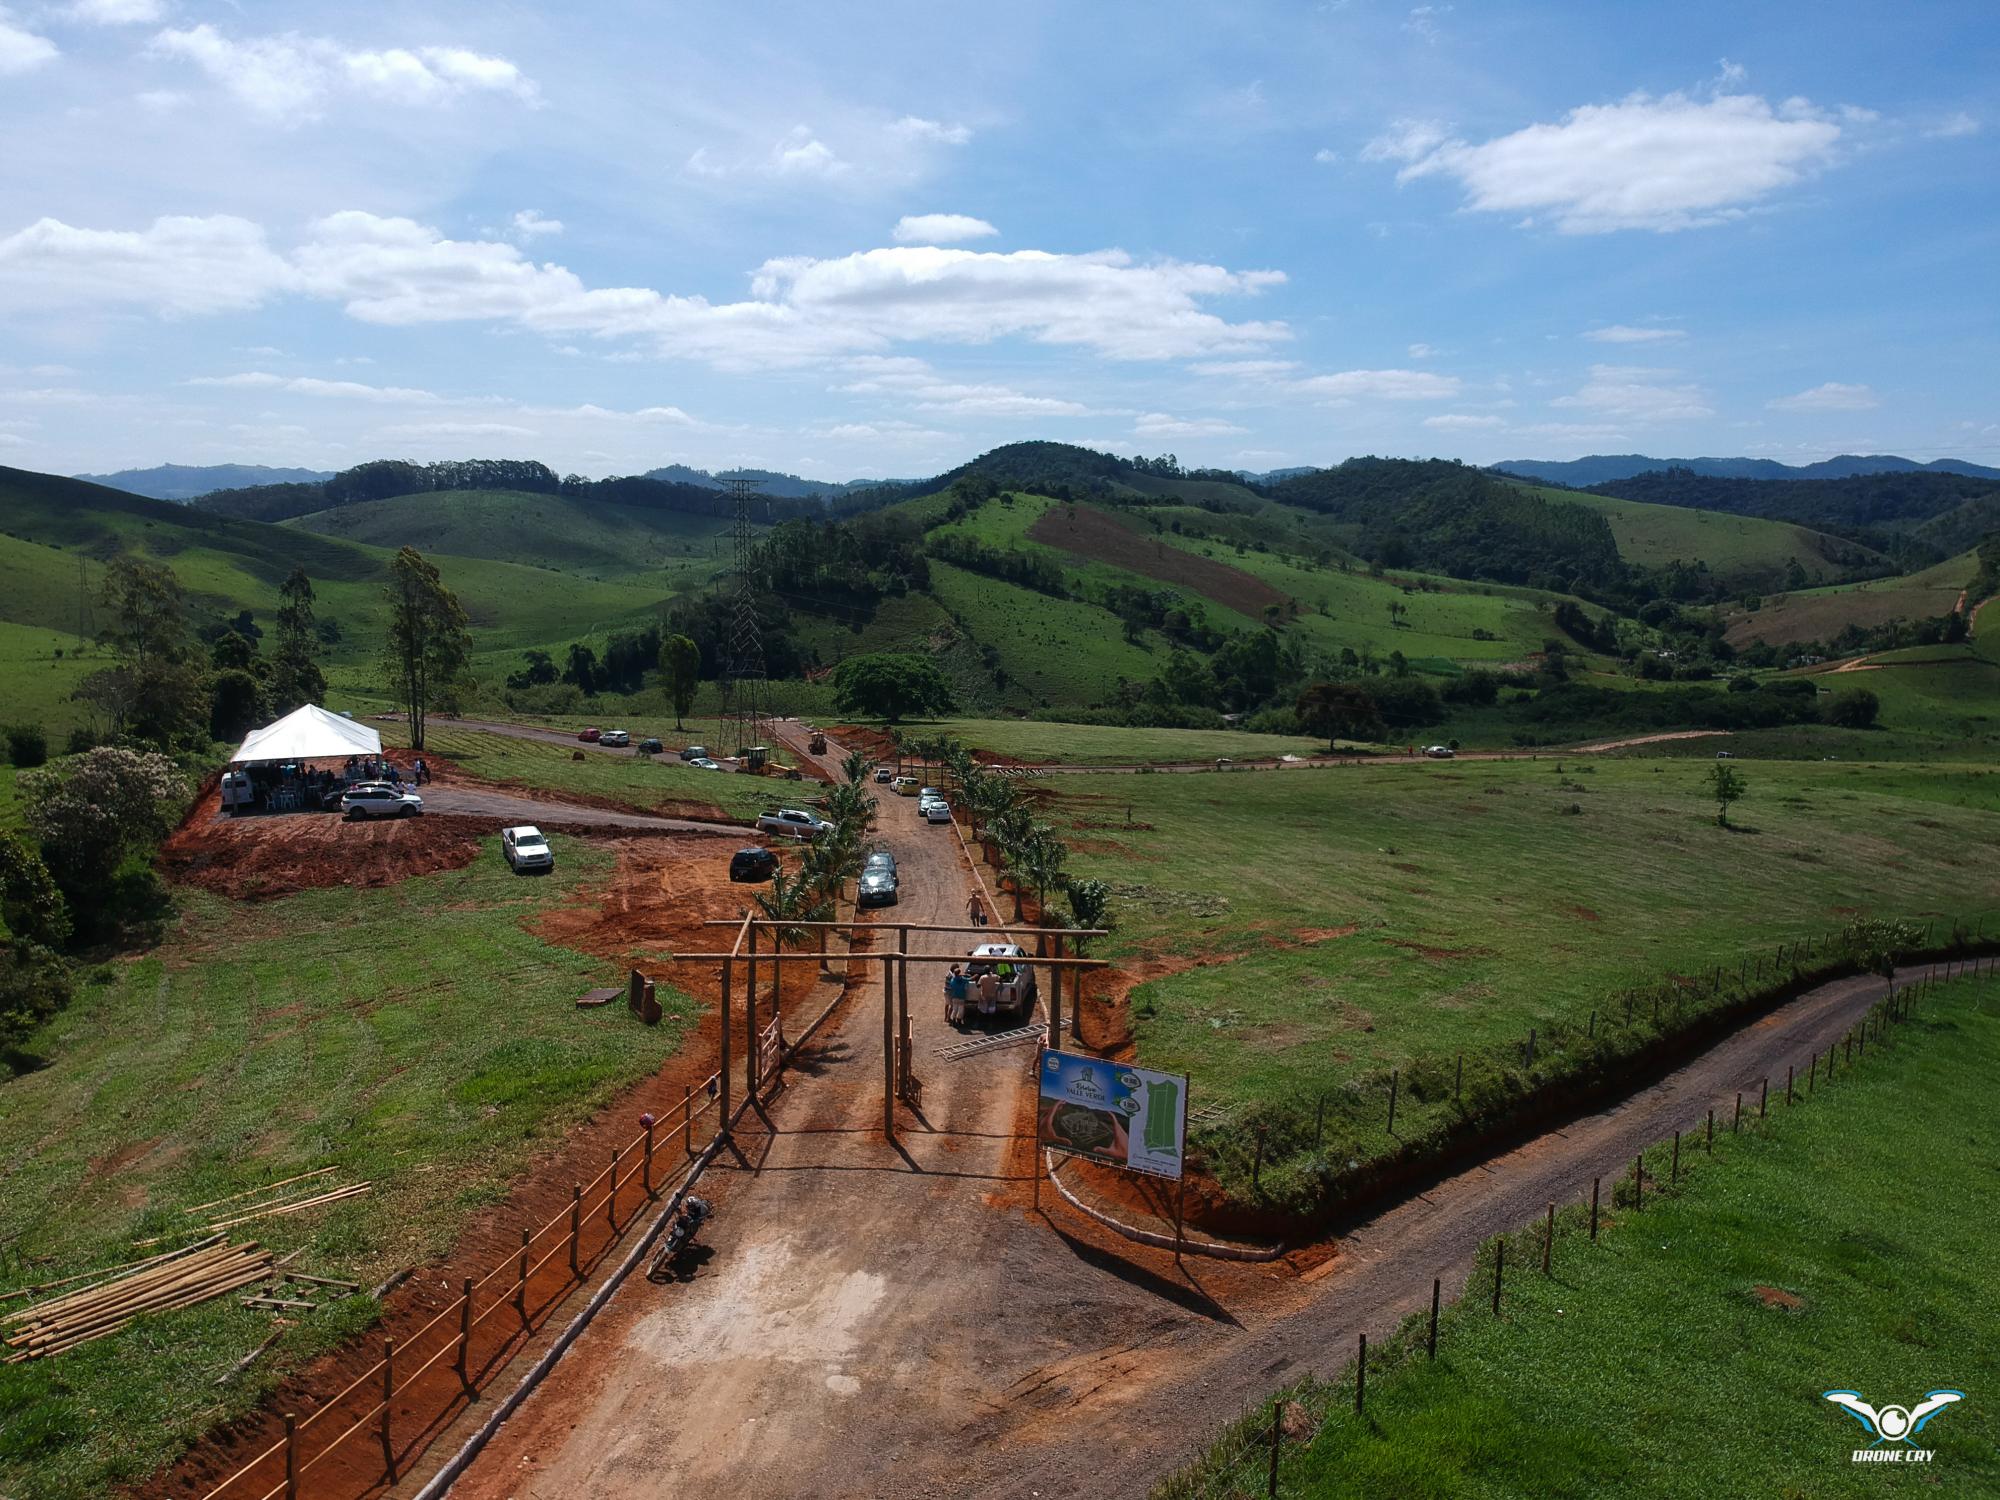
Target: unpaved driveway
473, 800
894, 1322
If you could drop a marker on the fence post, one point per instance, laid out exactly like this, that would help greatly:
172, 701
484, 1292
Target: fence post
1764, 1101
1639, 1181
687, 1120
1812, 1074
1361, 1375
575, 1226
1736, 1124
521, 1281
388, 1398
611, 1200
291, 1457
648, 1123
1789, 1069
1711, 1130
1850, 1049
1394, 1077
1595, 1184
1549, 1239
1277, 1435
1674, 1171
1499, 1263
1437, 1292
464, 1331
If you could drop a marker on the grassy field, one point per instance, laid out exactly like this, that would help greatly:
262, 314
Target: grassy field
1819, 614
1311, 931
1739, 550
417, 1036
543, 531
644, 785
1684, 1355
1109, 745
1052, 650
39, 673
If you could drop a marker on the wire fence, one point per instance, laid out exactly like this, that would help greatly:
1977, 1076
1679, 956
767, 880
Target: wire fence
1253, 1455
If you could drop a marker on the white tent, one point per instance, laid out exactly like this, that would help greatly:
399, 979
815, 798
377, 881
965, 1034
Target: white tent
309, 733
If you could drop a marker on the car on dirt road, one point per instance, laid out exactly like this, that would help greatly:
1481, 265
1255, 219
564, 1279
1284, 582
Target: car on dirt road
525, 848
1439, 752
378, 799
703, 763
616, 739
796, 822
694, 752
589, 736
879, 881
904, 786
752, 865
650, 747
1013, 991
883, 776
937, 810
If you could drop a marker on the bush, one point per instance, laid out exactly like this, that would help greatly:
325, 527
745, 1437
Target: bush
26, 745
95, 809
81, 739
1854, 708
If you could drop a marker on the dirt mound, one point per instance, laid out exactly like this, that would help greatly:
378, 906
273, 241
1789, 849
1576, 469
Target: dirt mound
659, 895
255, 859
1098, 536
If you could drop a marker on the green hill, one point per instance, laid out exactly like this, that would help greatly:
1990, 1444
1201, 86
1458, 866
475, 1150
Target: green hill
1821, 614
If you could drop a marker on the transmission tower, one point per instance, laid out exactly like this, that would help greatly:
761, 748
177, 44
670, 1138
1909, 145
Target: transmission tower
745, 692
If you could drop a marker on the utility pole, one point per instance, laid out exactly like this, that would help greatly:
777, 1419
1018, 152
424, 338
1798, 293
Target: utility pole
745, 692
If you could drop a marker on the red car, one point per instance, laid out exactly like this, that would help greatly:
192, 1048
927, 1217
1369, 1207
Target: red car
588, 736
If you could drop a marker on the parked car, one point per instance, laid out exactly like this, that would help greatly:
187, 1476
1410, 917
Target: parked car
883, 776
525, 849
904, 786
695, 752
936, 810
703, 763
1439, 752
1016, 990
879, 882
617, 739
378, 799
794, 821
752, 865
1731, 755
588, 736
650, 747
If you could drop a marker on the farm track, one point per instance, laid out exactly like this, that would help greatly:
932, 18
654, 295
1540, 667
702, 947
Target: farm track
879, 1321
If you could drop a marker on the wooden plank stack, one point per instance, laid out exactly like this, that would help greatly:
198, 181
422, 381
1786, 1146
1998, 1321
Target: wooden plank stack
209, 1268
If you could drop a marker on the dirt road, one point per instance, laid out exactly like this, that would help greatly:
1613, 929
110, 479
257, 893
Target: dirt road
472, 800
895, 1322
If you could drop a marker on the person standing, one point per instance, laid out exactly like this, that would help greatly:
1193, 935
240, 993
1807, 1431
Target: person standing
975, 910
423, 771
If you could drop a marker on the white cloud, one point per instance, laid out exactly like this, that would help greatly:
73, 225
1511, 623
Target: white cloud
456, 429
940, 229
1463, 422
398, 272
802, 154
1421, 351
1833, 396
530, 223
1620, 333
1326, 156
1381, 385
1665, 163
1161, 424
1953, 125
21, 50
116, 12
178, 266
919, 129
1246, 369
1638, 394
915, 381
287, 78
1406, 141
1422, 22
305, 385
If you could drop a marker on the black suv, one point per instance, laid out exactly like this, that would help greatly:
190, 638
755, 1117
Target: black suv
753, 865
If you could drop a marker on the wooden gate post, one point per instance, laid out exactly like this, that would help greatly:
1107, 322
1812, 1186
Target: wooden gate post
750, 1018
889, 1047
903, 1047
388, 1400
291, 1457
1055, 996
722, 1119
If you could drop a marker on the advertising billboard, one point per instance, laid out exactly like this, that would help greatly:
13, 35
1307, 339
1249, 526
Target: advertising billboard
1112, 1112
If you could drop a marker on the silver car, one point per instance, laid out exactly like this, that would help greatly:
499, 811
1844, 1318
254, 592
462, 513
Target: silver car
378, 799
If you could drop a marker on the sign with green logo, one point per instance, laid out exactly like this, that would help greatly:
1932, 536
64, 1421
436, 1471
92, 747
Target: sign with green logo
1113, 1112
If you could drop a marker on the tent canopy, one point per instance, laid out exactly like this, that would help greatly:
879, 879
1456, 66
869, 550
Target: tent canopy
309, 733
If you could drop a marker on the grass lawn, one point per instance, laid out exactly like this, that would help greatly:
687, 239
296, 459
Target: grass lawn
1112, 745
1053, 650
417, 1036
1479, 906
1685, 1354
1819, 614
641, 784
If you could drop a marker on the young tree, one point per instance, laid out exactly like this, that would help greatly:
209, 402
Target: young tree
158, 691
1089, 906
90, 811
295, 675
1726, 787
429, 644
680, 664
1340, 711
891, 685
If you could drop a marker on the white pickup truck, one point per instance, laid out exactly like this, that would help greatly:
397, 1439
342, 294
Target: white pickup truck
999, 980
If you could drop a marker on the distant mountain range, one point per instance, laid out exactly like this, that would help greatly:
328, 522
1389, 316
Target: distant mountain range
768, 482
1606, 468
185, 481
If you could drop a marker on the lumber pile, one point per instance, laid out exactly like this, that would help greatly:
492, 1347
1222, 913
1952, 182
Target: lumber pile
293, 1195
211, 1268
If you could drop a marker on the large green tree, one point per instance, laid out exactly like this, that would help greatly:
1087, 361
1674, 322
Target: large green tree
1340, 711
429, 644
158, 691
295, 675
891, 685
680, 664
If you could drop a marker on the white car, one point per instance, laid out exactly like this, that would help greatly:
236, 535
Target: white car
703, 763
379, 799
526, 849
793, 821
615, 739
935, 810
1439, 752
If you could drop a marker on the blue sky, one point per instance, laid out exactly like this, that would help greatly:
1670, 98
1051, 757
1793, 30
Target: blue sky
876, 240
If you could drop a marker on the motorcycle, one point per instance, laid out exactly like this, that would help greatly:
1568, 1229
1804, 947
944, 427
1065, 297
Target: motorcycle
694, 1213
